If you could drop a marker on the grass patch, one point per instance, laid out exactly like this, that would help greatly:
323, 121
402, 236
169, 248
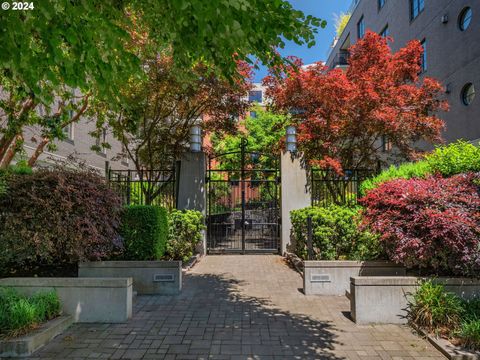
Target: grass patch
443, 313
20, 314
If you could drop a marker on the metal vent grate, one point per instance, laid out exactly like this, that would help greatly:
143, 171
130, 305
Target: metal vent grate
320, 278
163, 278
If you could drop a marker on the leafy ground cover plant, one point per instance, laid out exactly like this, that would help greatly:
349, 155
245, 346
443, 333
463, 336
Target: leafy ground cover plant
20, 314
56, 218
144, 231
185, 233
336, 234
469, 334
432, 224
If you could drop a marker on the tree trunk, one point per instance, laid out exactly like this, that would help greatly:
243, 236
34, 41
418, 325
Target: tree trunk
38, 151
5, 144
11, 151
8, 142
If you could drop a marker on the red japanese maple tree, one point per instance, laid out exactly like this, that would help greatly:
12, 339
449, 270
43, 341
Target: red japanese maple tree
342, 115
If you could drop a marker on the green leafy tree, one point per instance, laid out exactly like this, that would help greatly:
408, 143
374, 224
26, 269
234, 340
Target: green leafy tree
87, 46
263, 133
154, 121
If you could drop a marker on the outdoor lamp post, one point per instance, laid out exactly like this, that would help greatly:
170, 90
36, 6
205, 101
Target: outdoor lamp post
195, 138
291, 139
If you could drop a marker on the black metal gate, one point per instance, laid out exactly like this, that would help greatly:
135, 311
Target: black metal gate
243, 202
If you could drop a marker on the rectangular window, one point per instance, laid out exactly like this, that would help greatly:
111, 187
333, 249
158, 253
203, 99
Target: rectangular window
255, 96
68, 130
416, 7
386, 144
424, 56
381, 3
361, 28
385, 32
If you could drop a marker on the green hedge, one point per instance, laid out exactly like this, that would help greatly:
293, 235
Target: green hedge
404, 171
144, 231
185, 233
336, 234
456, 158
448, 160
19, 314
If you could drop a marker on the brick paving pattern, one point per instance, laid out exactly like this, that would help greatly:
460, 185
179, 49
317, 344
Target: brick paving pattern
239, 307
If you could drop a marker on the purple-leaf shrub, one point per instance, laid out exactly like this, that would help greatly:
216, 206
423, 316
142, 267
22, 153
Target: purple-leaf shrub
57, 217
432, 224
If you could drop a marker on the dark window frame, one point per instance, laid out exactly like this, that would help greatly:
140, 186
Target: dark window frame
461, 18
419, 5
424, 64
361, 27
385, 31
381, 4
463, 94
253, 96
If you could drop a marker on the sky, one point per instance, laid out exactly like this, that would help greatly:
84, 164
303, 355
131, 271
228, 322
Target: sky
323, 9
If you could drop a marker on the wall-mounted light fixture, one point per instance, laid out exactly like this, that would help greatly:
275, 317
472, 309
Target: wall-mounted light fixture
195, 138
291, 139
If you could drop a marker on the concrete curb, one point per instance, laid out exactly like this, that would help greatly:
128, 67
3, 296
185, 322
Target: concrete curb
194, 260
27, 344
451, 351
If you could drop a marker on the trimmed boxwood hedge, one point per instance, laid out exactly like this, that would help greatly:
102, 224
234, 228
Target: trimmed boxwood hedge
144, 231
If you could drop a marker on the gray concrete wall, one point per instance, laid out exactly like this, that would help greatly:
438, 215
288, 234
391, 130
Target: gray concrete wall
295, 193
453, 56
101, 300
79, 146
192, 189
384, 300
333, 277
149, 277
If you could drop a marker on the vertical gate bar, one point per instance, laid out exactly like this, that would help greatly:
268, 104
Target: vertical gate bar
128, 187
242, 183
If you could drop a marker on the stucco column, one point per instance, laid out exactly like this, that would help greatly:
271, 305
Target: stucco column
191, 186
295, 193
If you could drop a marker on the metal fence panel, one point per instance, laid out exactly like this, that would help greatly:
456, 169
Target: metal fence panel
145, 187
329, 187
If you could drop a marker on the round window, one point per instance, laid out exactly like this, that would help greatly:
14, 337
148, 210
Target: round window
465, 18
468, 93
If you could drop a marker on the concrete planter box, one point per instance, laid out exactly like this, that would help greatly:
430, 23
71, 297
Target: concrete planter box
383, 300
26, 345
149, 277
102, 300
333, 277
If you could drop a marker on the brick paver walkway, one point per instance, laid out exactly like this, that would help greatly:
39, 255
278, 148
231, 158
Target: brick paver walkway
239, 307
